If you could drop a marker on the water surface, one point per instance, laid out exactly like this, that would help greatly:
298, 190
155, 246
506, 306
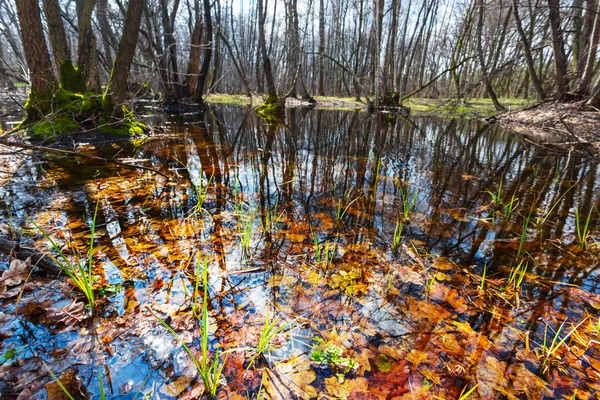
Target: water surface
467, 295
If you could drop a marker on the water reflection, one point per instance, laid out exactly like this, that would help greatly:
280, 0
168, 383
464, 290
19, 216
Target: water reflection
340, 179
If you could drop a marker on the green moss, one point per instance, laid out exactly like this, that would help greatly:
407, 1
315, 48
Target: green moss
271, 111
50, 128
63, 112
71, 78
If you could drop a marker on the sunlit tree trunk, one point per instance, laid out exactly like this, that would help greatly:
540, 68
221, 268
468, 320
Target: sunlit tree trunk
117, 86
588, 72
527, 53
558, 47
484, 72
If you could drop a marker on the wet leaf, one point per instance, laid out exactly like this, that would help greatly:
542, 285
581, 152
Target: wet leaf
348, 387
17, 272
176, 387
71, 383
383, 363
292, 377
68, 315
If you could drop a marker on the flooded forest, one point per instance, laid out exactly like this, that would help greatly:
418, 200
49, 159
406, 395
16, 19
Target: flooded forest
299, 199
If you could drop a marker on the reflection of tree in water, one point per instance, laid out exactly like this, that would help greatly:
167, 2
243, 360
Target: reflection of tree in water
306, 167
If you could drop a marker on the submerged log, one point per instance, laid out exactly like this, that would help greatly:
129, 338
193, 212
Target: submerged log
38, 258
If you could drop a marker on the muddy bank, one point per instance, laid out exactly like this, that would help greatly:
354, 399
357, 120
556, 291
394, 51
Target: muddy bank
558, 125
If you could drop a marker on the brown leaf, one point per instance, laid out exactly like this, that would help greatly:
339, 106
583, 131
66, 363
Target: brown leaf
68, 315
71, 383
17, 272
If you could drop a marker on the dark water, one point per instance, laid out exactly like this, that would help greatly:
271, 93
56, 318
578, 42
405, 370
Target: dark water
416, 316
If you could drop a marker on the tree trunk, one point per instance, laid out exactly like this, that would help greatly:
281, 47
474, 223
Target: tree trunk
586, 34
86, 56
537, 85
321, 88
56, 33
378, 10
195, 50
558, 47
207, 55
576, 37
271, 91
294, 47
215, 76
238, 66
588, 72
42, 76
107, 36
117, 86
594, 101
171, 48
484, 72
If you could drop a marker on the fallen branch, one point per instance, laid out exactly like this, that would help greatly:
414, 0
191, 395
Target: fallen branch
38, 258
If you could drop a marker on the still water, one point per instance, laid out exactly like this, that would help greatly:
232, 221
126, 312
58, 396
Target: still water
439, 255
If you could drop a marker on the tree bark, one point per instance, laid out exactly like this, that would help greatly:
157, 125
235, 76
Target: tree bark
271, 91
484, 72
588, 71
321, 88
117, 86
594, 101
105, 31
56, 33
527, 52
558, 47
43, 79
86, 55
171, 48
194, 63
207, 55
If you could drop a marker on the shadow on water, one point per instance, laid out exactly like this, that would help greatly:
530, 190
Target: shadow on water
381, 235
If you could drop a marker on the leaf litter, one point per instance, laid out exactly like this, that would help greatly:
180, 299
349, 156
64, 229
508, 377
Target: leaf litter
417, 324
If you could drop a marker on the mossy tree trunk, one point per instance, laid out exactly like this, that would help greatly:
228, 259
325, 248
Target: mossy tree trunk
43, 80
117, 86
207, 55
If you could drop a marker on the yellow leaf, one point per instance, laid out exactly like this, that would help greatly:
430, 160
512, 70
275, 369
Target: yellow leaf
350, 386
416, 357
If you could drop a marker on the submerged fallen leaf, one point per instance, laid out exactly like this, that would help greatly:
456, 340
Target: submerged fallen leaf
291, 379
176, 387
68, 315
71, 383
350, 386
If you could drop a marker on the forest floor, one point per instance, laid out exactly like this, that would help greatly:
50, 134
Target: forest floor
557, 124
418, 106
